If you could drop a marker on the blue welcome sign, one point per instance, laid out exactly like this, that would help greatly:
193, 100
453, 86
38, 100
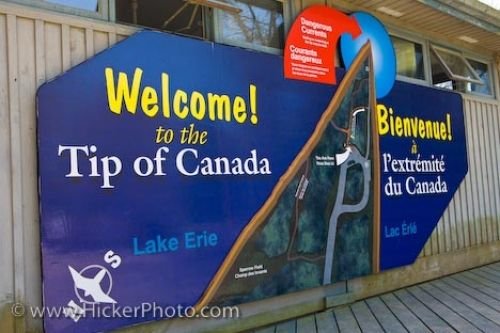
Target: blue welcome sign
180, 173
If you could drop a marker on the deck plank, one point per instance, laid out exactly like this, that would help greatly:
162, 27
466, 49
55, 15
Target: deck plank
385, 317
410, 322
463, 302
495, 266
473, 280
306, 324
269, 329
472, 316
493, 274
489, 269
477, 283
457, 291
346, 320
325, 322
487, 276
287, 327
473, 293
431, 320
446, 313
366, 321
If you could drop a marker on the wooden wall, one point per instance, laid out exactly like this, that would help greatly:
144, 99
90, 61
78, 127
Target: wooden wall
36, 46
473, 217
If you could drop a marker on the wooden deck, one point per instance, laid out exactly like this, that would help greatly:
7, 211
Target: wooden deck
463, 302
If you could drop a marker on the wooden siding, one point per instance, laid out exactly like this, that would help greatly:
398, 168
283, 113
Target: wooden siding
36, 46
473, 217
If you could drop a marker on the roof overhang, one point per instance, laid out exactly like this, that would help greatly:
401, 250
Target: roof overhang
467, 24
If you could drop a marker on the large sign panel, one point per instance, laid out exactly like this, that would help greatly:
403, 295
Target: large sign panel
176, 172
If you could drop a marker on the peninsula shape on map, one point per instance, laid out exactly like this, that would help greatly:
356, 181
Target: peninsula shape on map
321, 222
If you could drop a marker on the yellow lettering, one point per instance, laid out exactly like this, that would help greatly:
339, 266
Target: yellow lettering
165, 87
443, 132
239, 109
428, 129
390, 123
122, 92
399, 126
407, 126
149, 102
219, 107
180, 97
197, 105
203, 137
421, 128
448, 124
383, 125
253, 104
